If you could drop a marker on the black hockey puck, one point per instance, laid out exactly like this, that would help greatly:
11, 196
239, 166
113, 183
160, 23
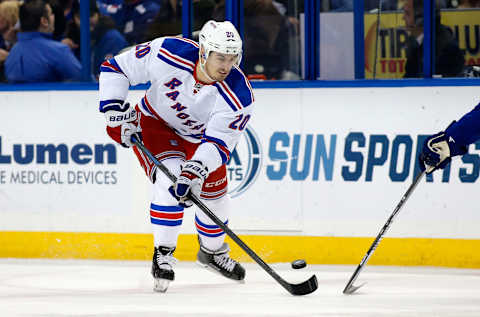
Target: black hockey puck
299, 264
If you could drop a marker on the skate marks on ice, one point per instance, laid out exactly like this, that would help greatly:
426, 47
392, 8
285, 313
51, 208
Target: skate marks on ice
115, 288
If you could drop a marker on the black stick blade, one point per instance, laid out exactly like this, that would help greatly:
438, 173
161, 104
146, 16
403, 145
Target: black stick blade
350, 289
304, 288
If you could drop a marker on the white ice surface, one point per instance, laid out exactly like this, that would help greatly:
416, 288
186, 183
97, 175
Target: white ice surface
115, 288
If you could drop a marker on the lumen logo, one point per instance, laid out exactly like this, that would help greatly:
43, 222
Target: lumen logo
62, 153
245, 163
57, 164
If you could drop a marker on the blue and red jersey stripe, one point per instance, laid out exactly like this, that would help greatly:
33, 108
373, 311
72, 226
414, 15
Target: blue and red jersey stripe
111, 66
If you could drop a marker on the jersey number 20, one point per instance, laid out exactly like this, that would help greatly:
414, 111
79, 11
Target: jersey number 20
240, 122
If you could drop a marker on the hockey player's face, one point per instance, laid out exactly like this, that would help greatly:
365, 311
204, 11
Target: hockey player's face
219, 65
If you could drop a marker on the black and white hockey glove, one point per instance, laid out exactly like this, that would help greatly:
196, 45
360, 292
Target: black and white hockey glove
438, 151
117, 113
191, 179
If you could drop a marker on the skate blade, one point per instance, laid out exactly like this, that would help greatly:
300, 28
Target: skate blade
160, 285
218, 273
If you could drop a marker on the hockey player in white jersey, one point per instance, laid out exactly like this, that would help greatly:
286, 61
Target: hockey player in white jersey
190, 118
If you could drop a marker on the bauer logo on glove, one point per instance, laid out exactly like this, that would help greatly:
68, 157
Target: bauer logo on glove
121, 117
117, 112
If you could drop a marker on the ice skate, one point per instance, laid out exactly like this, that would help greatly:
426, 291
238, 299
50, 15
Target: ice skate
220, 262
162, 268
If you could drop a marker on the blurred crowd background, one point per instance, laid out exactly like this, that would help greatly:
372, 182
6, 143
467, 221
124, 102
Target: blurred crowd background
40, 39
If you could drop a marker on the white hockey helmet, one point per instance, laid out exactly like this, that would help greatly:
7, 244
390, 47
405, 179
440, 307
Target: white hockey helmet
221, 37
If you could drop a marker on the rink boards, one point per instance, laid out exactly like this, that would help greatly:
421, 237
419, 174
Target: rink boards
316, 175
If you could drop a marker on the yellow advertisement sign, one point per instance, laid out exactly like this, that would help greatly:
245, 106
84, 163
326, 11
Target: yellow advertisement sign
389, 58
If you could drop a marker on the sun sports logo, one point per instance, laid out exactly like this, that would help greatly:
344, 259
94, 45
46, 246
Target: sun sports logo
245, 163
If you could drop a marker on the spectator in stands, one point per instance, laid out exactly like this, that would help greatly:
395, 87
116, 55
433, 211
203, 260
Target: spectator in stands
369, 5
267, 40
448, 58
132, 17
373, 5
8, 23
67, 6
58, 10
468, 4
36, 57
107, 41
111, 8
8, 30
168, 21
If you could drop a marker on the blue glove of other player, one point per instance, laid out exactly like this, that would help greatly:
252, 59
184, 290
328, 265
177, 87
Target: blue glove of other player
438, 151
191, 179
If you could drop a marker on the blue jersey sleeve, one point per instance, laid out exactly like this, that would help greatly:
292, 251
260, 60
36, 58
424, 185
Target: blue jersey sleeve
466, 130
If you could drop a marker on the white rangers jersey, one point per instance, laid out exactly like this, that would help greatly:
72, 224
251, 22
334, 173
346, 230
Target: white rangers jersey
213, 114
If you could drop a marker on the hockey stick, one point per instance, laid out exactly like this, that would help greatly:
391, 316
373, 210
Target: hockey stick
350, 288
307, 287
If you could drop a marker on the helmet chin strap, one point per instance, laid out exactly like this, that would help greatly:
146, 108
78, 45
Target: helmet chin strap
204, 71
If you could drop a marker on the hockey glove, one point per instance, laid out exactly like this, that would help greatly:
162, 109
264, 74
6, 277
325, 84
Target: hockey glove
121, 127
129, 129
438, 151
117, 114
191, 179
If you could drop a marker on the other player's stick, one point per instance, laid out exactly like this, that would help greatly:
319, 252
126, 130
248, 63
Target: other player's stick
303, 288
350, 288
